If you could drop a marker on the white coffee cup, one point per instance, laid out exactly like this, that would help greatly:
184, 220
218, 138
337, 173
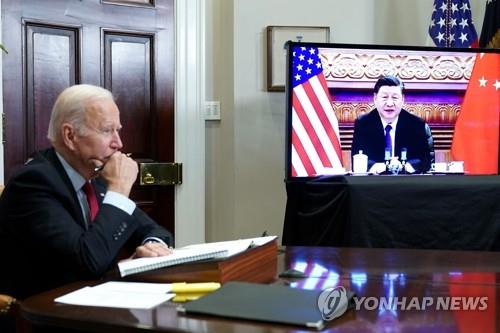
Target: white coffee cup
456, 166
439, 167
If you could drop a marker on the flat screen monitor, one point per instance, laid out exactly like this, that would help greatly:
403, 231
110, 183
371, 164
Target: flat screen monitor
454, 94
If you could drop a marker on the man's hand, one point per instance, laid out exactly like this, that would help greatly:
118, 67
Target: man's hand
395, 165
377, 168
120, 172
151, 249
409, 168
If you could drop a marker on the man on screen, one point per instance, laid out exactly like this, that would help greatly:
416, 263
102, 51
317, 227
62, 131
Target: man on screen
388, 130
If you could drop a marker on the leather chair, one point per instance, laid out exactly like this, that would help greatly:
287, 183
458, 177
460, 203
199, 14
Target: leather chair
6, 302
430, 142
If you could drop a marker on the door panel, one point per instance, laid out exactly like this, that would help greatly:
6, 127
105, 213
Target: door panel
127, 62
124, 46
51, 65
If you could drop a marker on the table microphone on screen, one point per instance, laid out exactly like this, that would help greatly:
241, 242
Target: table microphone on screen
387, 159
403, 159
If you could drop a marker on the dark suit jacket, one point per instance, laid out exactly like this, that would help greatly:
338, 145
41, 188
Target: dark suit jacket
412, 133
43, 239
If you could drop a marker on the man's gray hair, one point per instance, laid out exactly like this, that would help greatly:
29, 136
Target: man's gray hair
70, 107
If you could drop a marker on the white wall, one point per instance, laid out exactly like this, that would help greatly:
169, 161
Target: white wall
259, 116
245, 150
219, 142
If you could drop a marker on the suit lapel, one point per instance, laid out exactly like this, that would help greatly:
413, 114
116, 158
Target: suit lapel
76, 210
379, 133
401, 130
100, 189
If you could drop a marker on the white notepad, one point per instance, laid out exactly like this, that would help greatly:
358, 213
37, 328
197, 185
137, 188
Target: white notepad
179, 256
191, 253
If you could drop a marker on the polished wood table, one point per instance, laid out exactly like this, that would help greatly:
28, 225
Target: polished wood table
370, 273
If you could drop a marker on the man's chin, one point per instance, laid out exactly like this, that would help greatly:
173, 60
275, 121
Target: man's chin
390, 117
95, 163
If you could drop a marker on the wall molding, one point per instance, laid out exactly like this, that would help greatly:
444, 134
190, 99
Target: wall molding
189, 121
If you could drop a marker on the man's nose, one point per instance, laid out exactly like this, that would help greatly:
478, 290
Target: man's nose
116, 142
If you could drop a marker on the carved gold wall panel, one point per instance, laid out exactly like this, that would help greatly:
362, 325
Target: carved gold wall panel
407, 65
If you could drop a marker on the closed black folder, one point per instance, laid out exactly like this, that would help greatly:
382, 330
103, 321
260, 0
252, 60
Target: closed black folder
272, 303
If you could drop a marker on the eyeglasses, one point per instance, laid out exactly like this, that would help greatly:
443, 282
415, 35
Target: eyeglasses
386, 98
105, 131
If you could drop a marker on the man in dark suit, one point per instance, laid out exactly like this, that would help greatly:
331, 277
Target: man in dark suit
55, 226
390, 128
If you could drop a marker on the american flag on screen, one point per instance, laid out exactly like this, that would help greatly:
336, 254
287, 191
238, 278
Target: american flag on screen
451, 24
315, 129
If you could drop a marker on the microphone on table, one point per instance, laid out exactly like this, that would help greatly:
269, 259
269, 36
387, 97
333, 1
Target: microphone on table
404, 158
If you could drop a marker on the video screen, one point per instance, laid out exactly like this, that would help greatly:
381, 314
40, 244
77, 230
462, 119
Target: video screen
365, 110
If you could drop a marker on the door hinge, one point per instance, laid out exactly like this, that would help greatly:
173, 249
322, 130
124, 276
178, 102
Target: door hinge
4, 128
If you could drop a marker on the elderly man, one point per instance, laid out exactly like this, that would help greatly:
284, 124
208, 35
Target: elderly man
66, 214
389, 131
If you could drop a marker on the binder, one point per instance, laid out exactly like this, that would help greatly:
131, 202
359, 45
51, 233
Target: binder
256, 264
270, 303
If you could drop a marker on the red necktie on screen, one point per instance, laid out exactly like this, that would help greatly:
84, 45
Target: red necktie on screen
89, 191
388, 141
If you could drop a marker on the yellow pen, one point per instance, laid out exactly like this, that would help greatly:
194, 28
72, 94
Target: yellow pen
200, 287
187, 297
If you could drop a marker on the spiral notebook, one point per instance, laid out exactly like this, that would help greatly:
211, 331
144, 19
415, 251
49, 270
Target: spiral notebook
179, 256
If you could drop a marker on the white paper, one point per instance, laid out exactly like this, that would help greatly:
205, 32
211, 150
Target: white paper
135, 287
130, 295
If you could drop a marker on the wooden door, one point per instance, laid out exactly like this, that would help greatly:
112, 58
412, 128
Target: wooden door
126, 46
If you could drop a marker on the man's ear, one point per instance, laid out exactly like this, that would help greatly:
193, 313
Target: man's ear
68, 136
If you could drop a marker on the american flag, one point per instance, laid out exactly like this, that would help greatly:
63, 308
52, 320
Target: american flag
451, 24
315, 129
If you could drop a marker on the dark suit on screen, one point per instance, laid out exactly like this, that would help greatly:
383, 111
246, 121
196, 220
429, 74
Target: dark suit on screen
412, 133
44, 240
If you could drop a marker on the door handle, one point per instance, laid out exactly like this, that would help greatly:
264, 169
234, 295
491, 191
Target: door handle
162, 174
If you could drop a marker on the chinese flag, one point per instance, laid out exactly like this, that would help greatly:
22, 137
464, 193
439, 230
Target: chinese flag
476, 131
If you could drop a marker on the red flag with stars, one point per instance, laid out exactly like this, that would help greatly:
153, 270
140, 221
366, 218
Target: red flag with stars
475, 139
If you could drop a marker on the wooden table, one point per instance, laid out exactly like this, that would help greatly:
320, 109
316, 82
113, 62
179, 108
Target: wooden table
368, 272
